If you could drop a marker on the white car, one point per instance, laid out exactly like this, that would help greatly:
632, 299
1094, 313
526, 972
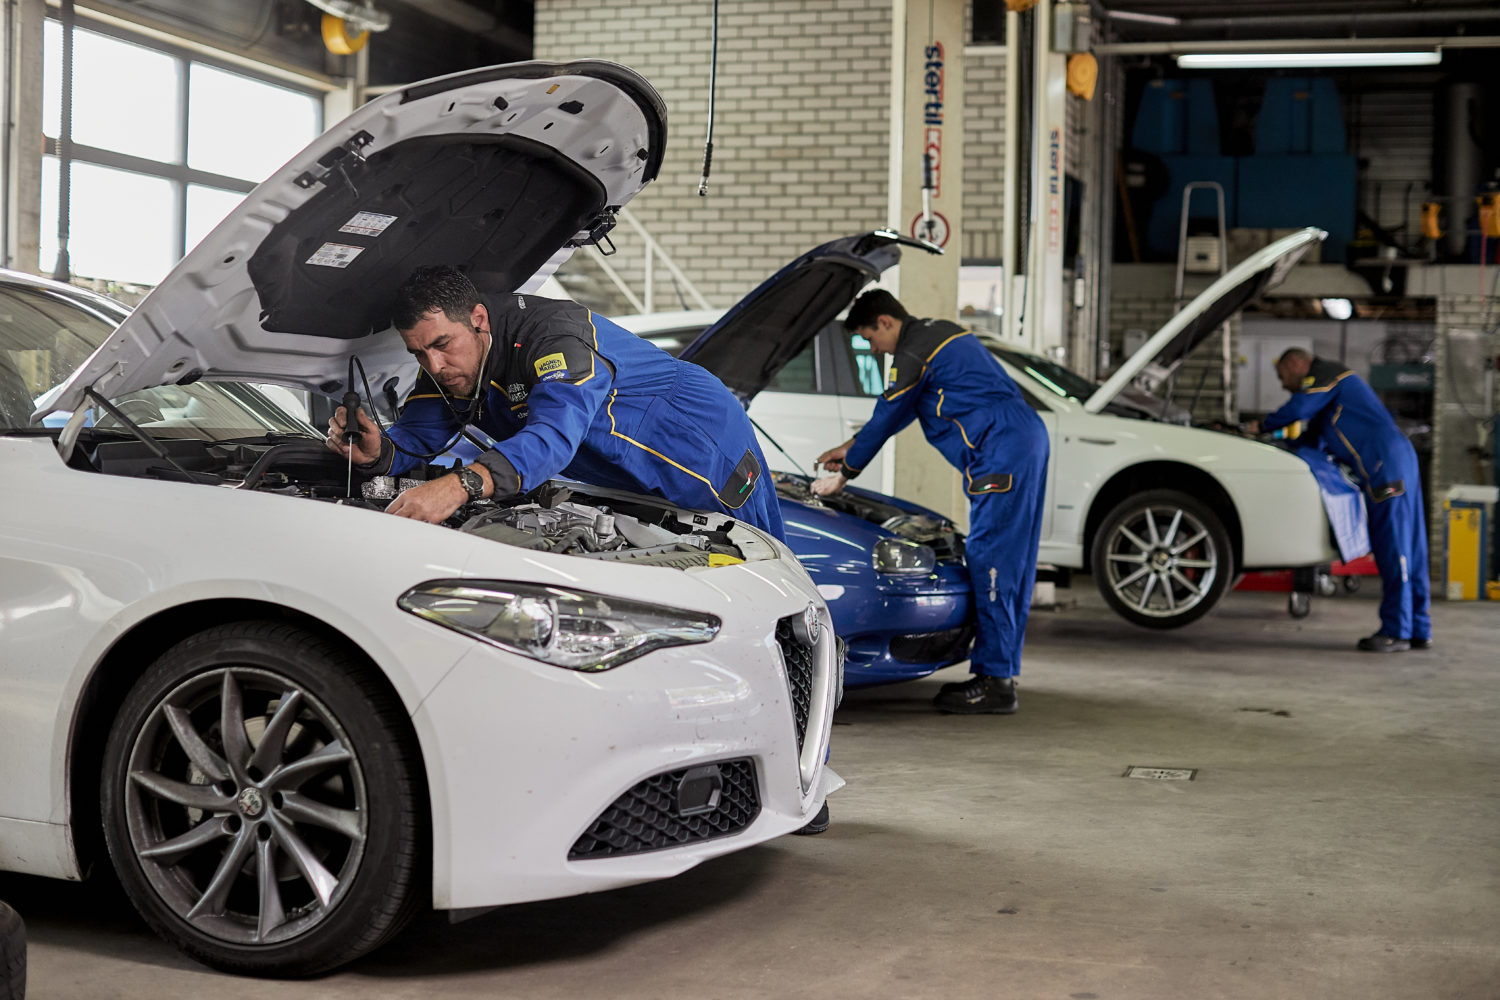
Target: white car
1163, 514
288, 719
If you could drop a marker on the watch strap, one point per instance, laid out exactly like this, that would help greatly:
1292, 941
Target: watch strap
472, 482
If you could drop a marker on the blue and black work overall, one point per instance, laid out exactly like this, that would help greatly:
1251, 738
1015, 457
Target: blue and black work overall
973, 413
566, 392
1337, 411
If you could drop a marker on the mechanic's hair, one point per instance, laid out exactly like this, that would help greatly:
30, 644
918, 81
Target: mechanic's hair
437, 286
874, 303
1293, 354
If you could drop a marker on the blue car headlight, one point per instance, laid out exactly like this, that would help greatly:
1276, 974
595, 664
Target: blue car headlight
902, 557
566, 628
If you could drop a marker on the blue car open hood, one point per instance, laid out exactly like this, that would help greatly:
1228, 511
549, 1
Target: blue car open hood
767, 328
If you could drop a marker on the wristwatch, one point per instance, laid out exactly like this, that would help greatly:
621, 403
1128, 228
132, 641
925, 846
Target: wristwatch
472, 482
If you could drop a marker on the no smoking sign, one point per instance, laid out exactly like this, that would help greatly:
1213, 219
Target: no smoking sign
940, 231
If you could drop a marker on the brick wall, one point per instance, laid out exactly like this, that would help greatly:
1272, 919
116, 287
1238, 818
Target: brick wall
1461, 451
984, 151
801, 140
1142, 299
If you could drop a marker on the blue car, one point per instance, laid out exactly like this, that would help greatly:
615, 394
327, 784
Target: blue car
892, 573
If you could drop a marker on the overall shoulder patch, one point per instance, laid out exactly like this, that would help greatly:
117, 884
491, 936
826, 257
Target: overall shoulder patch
551, 363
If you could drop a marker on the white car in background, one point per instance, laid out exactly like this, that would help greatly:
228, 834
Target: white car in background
820, 396
1163, 514
290, 720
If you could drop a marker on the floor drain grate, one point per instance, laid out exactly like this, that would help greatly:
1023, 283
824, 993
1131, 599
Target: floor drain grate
1160, 773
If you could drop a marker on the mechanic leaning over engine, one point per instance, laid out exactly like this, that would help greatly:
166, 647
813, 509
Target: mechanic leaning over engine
560, 391
972, 412
1334, 409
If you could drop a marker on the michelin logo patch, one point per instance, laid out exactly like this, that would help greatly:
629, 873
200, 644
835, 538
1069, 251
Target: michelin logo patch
554, 376
551, 363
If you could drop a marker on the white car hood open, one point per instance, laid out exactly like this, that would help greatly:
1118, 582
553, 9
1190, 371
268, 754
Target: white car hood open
499, 171
1242, 285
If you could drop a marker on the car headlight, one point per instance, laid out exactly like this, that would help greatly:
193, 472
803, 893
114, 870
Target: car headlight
566, 628
903, 557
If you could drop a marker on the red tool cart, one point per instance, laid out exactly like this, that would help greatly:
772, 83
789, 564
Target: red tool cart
1300, 584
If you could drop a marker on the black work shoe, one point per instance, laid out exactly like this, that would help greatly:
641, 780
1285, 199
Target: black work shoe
979, 695
1421, 643
1378, 643
818, 824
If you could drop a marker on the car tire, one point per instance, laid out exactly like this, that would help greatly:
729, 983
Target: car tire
1162, 539
12, 955
263, 804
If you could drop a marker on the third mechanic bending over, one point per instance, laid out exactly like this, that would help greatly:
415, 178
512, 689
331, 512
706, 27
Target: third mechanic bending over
1333, 409
972, 412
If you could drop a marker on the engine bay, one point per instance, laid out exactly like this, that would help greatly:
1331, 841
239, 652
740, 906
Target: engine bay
928, 529
555, 517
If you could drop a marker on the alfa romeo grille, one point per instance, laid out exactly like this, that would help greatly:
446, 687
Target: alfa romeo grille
649, 816
799, 674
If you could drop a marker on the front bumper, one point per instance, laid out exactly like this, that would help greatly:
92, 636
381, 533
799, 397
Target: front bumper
525, 760
903, 628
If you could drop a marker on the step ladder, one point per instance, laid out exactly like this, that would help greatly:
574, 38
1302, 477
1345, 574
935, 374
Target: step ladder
1205, 255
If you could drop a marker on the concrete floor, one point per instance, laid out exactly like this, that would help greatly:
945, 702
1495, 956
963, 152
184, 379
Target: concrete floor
1341, 839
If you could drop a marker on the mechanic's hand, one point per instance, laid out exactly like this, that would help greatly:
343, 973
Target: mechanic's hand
827, 486
433, 501
1252, 428
366, 446
833, 458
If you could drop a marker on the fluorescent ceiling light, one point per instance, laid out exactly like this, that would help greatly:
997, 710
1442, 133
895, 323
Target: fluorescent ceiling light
1292, 60
1338, 308
1126, 15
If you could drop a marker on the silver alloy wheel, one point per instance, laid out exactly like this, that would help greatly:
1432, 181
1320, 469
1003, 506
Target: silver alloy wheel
1162, 561
246, 806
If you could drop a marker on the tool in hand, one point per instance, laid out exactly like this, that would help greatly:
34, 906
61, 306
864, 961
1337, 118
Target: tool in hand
351, 428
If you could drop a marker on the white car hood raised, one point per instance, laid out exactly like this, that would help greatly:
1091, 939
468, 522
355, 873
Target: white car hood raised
499, 171
1200, 318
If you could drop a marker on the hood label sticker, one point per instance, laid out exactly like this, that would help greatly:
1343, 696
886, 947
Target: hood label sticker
335, 255
368, 224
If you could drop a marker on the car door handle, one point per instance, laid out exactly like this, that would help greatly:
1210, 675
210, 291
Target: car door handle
1097, 440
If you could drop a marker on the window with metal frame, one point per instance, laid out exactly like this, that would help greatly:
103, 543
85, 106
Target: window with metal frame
165, 142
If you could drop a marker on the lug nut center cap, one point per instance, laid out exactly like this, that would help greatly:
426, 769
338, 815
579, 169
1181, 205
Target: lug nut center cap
251, 802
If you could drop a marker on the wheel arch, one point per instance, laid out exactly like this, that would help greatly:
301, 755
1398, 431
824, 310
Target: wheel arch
1163, 475
129, 658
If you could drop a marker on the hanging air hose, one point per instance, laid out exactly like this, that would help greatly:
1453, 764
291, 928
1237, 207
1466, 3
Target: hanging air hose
62, 271
713, 72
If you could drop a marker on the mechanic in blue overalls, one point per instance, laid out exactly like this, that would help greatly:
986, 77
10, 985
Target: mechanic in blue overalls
972, 412
560, 391
1334, 409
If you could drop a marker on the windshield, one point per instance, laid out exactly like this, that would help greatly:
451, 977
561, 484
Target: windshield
45, 334
1049, 374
